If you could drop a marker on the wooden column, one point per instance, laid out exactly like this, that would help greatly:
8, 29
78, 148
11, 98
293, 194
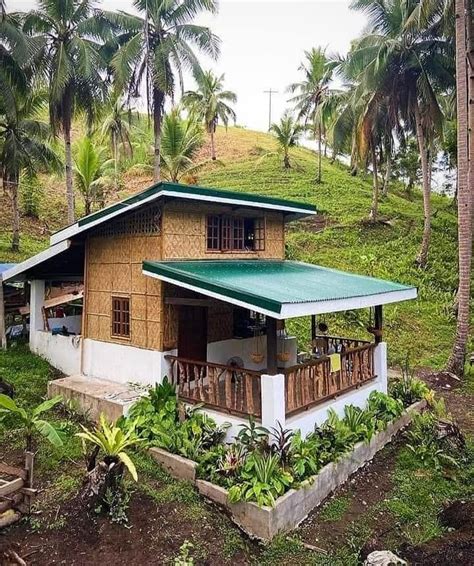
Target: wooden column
378, 322
3, 336
271, 346
313, 327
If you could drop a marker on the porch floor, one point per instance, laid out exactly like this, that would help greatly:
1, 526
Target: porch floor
95, 396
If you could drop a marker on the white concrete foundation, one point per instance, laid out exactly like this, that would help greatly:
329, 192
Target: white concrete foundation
36, 311
124, 363
62, 352
273, 401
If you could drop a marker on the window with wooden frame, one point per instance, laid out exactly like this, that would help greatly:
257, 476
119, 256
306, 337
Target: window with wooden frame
121, 317
235, 233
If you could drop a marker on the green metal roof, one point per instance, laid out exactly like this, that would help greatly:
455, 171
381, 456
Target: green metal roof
283, 289
190, 192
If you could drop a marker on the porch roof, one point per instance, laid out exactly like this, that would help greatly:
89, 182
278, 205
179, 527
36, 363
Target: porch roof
281, 289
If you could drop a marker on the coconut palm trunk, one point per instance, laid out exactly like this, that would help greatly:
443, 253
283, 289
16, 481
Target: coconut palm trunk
388, 172
465, 180
374, 208
422, 257
213, 147
14, 186
320, 135
158, 105
68, 167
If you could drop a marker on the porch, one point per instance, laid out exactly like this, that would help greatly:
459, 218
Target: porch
279, 381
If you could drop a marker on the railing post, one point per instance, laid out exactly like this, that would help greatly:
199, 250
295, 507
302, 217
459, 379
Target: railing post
380, 366
273, 400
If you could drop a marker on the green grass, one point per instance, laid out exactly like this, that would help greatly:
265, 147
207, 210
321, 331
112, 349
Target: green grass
335, 509
421, 329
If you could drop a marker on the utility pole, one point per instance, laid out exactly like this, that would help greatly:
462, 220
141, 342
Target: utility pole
270, 92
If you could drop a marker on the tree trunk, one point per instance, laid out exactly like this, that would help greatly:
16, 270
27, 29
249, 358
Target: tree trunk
115, 145
213, 148
422, 257
375, 186
14, 185
286, 160
319, 153
158, 105
69, 185
465, 182
388, 172
87, 205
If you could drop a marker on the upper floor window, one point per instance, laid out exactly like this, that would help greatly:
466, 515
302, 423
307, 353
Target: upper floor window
234, 233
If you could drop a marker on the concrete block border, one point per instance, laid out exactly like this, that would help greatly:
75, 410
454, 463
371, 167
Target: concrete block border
295, 505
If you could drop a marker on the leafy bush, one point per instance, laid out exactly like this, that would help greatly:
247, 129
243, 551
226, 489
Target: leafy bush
262, 480
383, 407
409, 390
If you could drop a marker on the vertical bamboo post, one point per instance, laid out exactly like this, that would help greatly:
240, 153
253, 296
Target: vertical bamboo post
3, 335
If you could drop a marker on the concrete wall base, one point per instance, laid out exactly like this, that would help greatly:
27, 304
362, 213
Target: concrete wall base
294, 506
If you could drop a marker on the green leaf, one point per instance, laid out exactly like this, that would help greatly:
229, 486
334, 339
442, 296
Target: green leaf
47, 430
125, 458
47, 405
8, 404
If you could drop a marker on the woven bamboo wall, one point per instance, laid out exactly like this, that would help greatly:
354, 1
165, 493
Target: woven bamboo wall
114, 268
184, 233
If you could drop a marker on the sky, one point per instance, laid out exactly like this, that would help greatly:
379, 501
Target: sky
263, 43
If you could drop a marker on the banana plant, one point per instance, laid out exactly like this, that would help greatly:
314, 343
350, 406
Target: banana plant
31, 421
113, 442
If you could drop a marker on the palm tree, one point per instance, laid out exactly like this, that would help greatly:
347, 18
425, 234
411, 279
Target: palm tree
465, 112
155, 48
24, 148
406, 62
180, 142
310, 94
68, 52
287, 132
91, 171
210, 103
116, 127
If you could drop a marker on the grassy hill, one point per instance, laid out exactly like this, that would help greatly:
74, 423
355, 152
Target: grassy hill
340, 238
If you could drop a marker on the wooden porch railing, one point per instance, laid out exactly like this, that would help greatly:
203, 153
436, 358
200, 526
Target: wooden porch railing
311, 383
225, 388
339, 343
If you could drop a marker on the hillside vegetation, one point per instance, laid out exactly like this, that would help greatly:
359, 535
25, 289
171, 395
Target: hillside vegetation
339, 238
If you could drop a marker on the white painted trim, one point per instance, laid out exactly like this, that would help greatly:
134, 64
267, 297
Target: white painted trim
75, 229
292, 310
35, 260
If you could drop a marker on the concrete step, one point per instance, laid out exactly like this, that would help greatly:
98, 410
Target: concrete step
94, 396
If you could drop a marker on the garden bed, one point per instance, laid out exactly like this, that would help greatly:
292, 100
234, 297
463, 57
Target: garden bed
294, 506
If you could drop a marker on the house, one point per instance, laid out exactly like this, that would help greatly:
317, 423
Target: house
192, 283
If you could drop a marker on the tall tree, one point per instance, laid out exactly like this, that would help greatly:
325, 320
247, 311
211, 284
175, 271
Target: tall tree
210, 103
68, 38
406, 59
310, 93
24, 149
287, 132
116, 127
155, 47
180, 143
465, 178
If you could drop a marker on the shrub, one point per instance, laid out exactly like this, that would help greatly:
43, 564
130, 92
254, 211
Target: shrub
409, 390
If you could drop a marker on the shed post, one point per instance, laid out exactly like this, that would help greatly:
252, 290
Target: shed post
378, 316
3, 336
36, 310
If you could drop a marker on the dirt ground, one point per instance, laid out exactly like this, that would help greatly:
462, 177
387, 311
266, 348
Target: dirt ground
156, 530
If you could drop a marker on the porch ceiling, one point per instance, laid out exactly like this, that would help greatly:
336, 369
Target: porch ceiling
281, 289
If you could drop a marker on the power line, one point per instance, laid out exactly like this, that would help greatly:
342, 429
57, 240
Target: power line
270, 92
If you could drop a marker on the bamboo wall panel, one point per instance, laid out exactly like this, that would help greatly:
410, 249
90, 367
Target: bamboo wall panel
115, 268
184, 232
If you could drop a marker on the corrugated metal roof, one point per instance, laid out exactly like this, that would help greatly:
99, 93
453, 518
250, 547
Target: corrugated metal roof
282, 288
5, 267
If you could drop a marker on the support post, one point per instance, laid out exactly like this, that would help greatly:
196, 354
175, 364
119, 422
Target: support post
273, 401
3, 335
272, 367
313, 327
378, 324
380, 366
36, 310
